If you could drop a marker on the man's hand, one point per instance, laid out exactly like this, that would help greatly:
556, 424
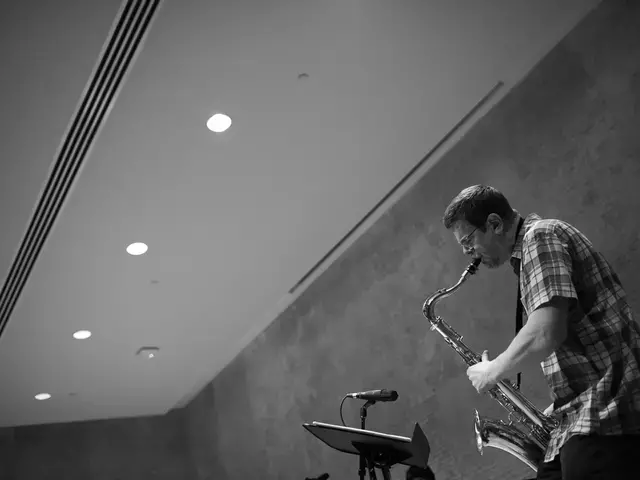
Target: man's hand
483, 375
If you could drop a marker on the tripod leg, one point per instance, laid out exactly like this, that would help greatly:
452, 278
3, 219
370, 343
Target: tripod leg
386, 474
372, 469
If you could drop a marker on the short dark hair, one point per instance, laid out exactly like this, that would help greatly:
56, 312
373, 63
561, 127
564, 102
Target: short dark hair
474, 204
417, 473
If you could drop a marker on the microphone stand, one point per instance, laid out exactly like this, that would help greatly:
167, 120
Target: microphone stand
363, 459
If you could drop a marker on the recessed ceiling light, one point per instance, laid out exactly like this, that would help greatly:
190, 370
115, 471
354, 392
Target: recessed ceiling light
137, 248
218, 123
82, 334
42, 396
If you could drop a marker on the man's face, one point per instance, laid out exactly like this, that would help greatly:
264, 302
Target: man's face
489, 245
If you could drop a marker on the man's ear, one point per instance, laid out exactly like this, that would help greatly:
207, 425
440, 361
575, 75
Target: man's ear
495, 223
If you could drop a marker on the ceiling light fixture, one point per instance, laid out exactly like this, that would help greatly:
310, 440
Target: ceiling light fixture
42, 396
219, 123
137, 248
148, 352
82, 334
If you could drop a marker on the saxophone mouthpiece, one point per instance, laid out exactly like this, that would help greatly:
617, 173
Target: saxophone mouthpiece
473, 266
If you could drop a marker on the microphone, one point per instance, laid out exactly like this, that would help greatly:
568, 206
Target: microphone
376, 395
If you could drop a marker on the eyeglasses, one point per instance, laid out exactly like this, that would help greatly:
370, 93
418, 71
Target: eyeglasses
465, 241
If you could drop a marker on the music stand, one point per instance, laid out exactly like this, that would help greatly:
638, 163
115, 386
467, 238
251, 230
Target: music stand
382, 450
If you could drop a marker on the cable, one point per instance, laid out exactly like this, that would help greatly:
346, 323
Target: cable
341, 404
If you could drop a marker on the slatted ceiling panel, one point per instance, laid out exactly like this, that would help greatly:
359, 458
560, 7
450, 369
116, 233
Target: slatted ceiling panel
116, 59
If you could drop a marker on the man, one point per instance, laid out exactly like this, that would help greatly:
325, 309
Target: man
579, 327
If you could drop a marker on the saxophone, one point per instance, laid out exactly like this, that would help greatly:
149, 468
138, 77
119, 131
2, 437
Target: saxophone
527, 434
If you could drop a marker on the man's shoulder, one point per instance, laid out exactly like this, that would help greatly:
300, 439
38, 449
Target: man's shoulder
538, 227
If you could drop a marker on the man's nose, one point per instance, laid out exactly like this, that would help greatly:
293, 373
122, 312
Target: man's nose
467, 250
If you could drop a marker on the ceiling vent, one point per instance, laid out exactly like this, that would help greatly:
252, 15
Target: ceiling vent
124, 41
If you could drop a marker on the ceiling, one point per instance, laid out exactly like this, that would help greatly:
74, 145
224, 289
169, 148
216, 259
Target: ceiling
233, 221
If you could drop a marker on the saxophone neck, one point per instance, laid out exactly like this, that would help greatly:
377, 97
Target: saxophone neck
429, 306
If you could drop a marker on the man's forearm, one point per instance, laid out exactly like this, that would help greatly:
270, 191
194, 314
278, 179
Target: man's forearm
544, 331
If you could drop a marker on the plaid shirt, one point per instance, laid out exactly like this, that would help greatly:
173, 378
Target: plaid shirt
594, 376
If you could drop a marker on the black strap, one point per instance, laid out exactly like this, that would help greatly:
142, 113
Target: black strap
519, 306
519, 309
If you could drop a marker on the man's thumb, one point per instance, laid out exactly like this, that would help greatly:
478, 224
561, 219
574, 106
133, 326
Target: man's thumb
485, 356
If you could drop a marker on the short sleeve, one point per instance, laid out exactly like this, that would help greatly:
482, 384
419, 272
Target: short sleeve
546, 270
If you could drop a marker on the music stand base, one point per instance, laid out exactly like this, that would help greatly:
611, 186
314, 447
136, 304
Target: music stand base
380, 456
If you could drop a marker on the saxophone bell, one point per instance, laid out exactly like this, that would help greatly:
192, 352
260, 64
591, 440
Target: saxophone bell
497, 434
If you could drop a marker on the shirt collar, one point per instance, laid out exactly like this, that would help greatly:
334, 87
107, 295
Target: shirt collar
516, 252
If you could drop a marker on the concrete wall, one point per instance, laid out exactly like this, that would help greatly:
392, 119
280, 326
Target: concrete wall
564, 143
